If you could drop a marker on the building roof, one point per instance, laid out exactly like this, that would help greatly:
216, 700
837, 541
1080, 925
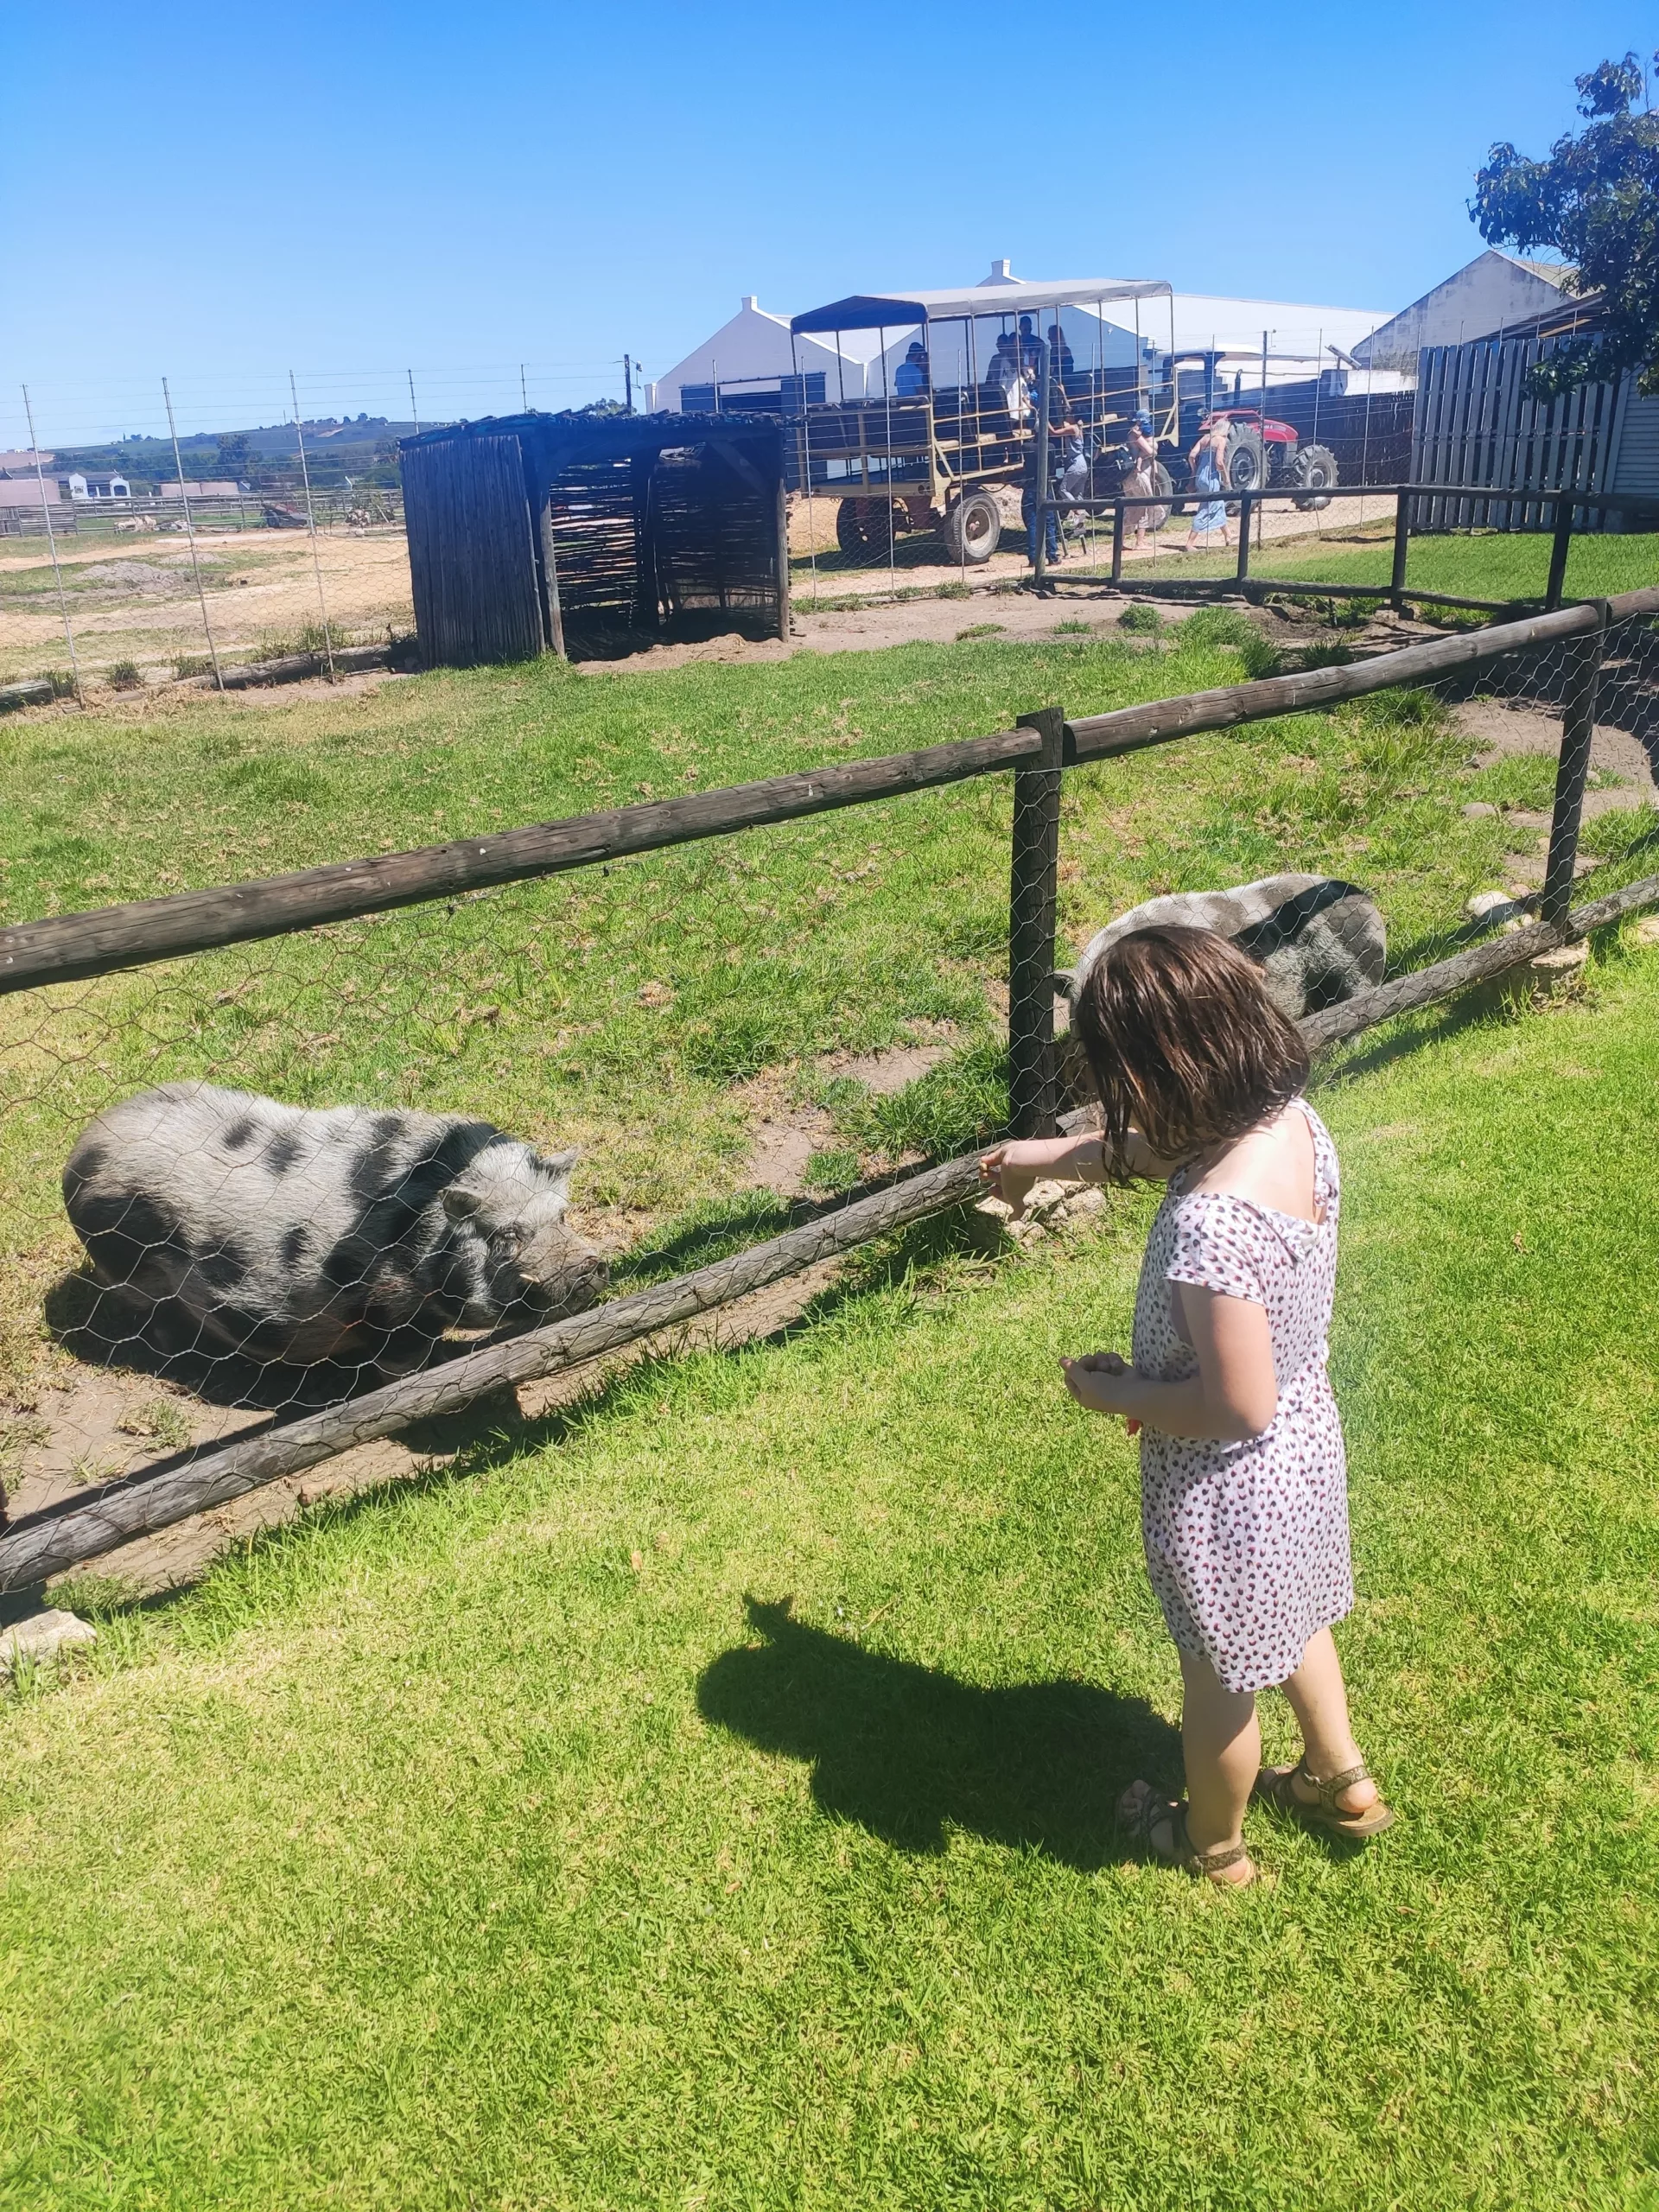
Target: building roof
1495, 291
996, 295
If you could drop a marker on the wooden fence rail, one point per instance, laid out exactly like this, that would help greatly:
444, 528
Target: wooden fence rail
86, 1526
71, 947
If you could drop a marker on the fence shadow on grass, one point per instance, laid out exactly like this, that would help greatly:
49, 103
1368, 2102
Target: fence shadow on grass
910, 1753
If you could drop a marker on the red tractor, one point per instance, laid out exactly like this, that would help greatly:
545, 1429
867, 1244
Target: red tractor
1265, 455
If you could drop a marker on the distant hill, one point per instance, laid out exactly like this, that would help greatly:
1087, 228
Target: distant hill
363, 447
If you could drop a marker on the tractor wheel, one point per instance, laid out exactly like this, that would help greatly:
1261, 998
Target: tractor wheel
1312, 473
973, 528
861, 529
1245, 469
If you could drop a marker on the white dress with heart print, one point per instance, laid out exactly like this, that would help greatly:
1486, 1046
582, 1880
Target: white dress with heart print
1247, 1543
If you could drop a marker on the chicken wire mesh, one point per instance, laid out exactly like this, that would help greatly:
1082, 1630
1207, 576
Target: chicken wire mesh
1514, 711
264, 1179
399, 1188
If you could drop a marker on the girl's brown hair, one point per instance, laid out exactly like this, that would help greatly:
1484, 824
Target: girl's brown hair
1184, 1043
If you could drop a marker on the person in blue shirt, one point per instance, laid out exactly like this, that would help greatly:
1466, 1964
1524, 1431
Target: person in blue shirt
911, 379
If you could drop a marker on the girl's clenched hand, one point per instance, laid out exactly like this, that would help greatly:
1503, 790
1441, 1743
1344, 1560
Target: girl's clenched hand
1097, 1380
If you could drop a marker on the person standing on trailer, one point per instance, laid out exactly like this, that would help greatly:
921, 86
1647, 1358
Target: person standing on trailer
1209, 458
911, 379
1073, 462
1008, 377
1064, 367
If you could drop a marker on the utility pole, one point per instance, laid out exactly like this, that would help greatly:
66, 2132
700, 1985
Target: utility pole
627, 383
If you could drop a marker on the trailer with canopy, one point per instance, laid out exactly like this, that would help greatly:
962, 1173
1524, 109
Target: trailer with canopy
950, 402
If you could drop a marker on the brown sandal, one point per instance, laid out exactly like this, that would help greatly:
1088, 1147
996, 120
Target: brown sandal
1276, 1785
1153, 1811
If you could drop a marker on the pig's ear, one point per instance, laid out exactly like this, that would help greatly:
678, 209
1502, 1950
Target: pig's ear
559, 1164
460, 1202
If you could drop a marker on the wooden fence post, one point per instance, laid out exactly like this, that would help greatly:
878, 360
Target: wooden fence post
1117, 540
1247, 500
1402, 545
1032, 895
1560, 546
1577, 729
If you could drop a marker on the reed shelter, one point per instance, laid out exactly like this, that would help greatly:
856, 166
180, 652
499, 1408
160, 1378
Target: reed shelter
594, 535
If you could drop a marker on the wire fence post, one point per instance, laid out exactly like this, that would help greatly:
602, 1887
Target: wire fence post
190, 533
52, 544
1578, 732
1044, 389
311, 522
1033, 892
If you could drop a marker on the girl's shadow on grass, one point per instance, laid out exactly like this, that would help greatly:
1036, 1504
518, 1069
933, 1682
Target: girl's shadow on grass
910, 1754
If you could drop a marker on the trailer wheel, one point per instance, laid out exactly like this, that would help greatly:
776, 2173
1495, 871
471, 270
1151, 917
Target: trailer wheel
862, 527
1312, 471
972, 529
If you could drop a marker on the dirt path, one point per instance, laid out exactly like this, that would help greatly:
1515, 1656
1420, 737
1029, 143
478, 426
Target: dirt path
135, 598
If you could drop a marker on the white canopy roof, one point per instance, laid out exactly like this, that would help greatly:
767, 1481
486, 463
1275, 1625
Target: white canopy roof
999, 296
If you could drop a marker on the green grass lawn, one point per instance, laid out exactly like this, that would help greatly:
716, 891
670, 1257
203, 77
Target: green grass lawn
625, 1008
703, 1801
1491, 565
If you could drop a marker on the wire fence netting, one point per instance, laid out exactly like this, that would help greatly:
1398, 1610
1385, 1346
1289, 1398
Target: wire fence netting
268, 1178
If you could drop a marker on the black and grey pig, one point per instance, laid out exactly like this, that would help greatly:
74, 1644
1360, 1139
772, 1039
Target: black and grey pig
1318, 940
241, 1225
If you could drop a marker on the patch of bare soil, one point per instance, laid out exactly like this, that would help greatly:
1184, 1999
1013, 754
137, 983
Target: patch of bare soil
261, 588
1497, 729
787, 1130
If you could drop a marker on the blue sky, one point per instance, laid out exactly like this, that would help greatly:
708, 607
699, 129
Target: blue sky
220, 193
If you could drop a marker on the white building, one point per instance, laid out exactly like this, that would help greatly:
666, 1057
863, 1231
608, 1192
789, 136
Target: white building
753, 350
1492, 293
752, 353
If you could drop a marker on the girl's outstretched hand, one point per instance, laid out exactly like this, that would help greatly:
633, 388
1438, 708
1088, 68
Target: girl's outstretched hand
1094, 1381
1009, 1170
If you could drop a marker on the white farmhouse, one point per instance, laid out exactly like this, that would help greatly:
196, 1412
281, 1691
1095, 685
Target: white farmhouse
1494, 292
751, 355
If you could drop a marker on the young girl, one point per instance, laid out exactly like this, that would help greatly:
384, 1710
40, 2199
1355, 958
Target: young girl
1243, 1496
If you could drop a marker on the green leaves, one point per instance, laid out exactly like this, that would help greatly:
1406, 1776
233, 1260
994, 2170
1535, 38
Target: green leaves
1595, 201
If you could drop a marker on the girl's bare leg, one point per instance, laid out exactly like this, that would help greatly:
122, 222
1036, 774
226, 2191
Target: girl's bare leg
1222, 1746
1319, 1701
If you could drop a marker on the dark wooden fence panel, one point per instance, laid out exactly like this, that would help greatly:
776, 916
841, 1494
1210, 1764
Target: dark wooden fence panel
472, 555
1477, 424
